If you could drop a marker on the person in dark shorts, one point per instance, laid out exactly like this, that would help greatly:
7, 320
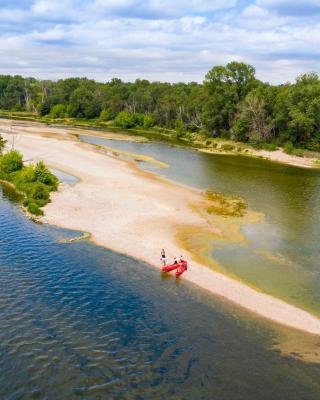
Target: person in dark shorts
163, 258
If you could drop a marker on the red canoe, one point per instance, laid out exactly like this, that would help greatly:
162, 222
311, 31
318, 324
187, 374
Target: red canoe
171, 267
182, 268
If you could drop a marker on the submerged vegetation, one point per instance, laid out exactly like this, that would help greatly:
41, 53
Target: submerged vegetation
221, 204
34, 181
231, 103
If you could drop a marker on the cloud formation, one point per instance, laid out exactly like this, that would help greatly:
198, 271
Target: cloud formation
158, 39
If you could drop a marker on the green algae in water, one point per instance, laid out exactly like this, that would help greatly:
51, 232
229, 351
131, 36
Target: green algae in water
231, 206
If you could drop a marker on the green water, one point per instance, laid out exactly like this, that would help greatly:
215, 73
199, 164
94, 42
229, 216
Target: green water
280, 254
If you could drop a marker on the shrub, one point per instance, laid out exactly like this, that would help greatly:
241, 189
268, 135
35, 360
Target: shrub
27, 201
125, 120
105, 115
288, 148
58, 111
298, 152
25, 175
180, 134
148, 121
39, 191
44, 109
227, 147
43, 175
11, 162
265, 146
33, 208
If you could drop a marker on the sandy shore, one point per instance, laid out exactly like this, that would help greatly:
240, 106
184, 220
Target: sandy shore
278, 156
135, 213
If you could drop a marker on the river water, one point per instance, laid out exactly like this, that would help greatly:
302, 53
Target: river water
280, 254
79, 321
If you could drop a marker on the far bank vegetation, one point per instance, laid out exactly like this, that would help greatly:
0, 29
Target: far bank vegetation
230, 104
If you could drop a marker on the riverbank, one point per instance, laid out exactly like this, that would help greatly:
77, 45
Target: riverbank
137, 213
200, 143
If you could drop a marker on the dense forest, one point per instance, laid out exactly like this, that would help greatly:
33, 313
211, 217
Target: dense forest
230, 103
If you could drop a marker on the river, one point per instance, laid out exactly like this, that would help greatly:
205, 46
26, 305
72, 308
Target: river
79, 321
280, 254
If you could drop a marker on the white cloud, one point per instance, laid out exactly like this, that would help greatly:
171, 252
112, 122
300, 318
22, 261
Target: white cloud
155, 39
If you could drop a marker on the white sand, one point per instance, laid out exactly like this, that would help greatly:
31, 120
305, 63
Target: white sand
136, 213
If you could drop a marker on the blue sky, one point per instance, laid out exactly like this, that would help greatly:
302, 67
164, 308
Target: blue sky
162, 40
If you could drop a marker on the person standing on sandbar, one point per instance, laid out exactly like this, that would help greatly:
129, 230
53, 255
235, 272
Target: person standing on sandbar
163, 258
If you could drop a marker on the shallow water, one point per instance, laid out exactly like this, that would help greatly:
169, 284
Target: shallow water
79, 321
280, 254
64, 177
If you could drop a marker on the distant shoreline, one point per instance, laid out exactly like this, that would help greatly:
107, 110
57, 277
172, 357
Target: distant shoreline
137, 213
141, 135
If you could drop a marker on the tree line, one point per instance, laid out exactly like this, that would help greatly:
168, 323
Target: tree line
230, 103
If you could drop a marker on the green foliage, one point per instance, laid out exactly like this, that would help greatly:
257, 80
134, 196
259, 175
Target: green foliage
44, 109
288, 148
266, 146
231, 103
148, 121
105, 115
58, 111
227, 147
84, 103
125, 119
11, 162
39, 191
43, 175
34, 209
2, 144
36, 182
252, 122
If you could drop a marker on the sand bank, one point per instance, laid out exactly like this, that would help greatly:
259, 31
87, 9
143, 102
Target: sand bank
136, 213
277, 156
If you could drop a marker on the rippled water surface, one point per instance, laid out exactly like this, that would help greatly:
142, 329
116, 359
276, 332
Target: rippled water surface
78, 321
281, 253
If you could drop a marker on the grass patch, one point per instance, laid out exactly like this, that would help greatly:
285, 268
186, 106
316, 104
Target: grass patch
227, 147
225, 205
265, 146
288, 148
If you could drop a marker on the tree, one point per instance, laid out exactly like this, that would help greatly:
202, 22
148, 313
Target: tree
84, 104
252, 122
226, 86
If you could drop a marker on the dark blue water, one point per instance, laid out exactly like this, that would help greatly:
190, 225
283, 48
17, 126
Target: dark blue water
79, 321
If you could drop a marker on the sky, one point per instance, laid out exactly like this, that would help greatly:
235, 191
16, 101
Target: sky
162, 40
